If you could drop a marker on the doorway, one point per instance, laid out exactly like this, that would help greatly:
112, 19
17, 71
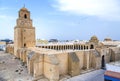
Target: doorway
103, 62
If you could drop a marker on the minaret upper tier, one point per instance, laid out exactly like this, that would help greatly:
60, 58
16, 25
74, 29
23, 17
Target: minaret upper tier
24, 18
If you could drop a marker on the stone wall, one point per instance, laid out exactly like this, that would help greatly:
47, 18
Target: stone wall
63, 63
73, 64
115, 53
10, 48
52, 65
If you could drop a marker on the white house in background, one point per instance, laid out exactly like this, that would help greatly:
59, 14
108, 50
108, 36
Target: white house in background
2, 45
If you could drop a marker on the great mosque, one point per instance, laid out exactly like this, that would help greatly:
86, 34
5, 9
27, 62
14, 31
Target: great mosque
58, 59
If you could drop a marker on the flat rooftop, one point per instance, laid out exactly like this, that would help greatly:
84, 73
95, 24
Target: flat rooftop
113, 66
62, 43
117, 63
51, 51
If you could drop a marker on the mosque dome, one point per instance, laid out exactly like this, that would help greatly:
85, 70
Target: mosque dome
108, 39
94, 39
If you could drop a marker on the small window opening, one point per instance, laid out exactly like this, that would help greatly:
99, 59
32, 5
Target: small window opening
25, 16
25, 45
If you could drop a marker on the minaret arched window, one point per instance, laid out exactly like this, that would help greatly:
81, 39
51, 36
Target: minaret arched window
25, 16
24, 44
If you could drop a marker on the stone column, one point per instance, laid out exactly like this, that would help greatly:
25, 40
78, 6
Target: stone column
73, 47
88, 59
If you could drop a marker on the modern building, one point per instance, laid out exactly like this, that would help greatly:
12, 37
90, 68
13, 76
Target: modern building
2, 46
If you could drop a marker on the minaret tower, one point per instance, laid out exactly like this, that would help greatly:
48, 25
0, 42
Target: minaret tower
24, 32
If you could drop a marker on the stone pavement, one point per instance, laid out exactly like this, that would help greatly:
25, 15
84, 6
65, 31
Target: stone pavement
12, 69
97, 75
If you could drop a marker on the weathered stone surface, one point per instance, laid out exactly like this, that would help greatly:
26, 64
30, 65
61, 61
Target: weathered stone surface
73, 61
24, 32
51, 70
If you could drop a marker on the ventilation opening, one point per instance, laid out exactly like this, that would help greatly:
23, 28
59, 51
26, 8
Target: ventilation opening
25, 16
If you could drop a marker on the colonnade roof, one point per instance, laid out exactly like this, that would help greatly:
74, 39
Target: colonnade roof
50, 51
62, 43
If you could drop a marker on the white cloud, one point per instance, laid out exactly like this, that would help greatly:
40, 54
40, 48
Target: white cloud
100, 8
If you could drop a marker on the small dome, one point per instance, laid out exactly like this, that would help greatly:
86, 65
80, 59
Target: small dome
24, 9
107, 39
94, 38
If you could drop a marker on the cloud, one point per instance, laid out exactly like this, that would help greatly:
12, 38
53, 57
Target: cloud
99, 8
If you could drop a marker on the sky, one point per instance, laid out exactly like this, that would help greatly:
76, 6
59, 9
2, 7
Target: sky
64, 19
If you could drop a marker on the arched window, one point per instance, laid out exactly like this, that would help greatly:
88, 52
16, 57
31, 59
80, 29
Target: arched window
91, 46
25, 16
24, 44
87, 47
81, 47
84, 48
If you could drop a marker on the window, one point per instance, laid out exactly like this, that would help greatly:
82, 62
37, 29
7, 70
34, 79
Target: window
25, 16
24, 44
87, 47
81, 47
91, 46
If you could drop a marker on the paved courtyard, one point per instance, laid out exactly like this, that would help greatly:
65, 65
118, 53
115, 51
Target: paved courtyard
97, 75
11, 69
